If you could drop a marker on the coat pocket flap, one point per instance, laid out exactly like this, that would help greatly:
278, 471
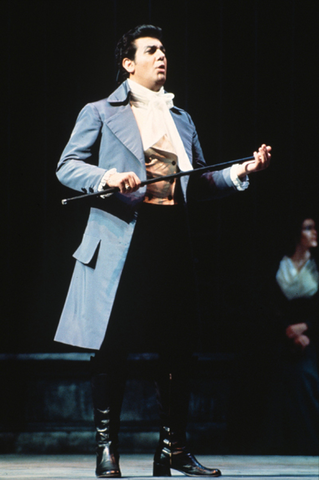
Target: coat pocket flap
87, 249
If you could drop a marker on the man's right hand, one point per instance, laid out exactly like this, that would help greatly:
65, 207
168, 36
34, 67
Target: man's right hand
126, 182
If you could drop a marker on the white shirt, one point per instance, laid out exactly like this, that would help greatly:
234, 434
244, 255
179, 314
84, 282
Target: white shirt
296, 283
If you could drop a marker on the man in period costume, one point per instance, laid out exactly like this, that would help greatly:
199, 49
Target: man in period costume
132, 286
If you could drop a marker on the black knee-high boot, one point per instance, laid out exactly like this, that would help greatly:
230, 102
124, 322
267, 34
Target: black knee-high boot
172, 451
107, 401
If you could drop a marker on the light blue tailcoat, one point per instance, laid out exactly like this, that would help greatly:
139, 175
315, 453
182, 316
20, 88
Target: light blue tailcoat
110, 126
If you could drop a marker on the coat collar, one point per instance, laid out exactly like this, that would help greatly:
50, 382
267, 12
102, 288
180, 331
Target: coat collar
120, 95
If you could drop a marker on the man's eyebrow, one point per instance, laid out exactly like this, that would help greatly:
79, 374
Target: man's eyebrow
161, 47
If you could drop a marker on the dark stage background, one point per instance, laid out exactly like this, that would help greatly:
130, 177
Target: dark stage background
247, 73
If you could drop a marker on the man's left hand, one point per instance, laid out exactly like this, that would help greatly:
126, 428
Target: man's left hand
262, 161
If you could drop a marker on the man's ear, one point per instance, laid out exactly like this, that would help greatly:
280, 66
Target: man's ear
129, 65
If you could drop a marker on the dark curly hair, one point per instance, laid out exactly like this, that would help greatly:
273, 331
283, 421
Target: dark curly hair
126, 47
294, 229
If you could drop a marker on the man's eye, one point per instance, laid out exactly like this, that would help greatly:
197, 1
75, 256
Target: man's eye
152, 50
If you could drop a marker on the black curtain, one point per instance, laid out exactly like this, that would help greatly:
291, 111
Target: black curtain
247, 73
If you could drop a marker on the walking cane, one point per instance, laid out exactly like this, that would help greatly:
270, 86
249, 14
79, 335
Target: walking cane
160, 179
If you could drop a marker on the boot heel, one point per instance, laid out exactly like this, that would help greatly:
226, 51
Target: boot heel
160, 470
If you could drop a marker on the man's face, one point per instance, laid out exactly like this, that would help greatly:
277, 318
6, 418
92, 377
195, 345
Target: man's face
149, 66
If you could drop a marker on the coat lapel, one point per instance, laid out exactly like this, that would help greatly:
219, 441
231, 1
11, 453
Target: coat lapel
123, 124
186, 131
124, 127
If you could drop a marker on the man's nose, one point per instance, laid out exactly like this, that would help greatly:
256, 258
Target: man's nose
160, 53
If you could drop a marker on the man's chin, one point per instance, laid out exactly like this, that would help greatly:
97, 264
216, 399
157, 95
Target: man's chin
161, 79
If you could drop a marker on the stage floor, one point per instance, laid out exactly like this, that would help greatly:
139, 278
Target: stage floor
56, 467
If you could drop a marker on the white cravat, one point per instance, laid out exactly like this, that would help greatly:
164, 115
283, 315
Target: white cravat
158, 120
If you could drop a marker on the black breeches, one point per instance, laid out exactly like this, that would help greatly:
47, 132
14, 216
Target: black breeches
154, 309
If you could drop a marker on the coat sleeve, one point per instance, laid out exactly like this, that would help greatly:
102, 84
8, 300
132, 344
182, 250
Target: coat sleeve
75, 168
